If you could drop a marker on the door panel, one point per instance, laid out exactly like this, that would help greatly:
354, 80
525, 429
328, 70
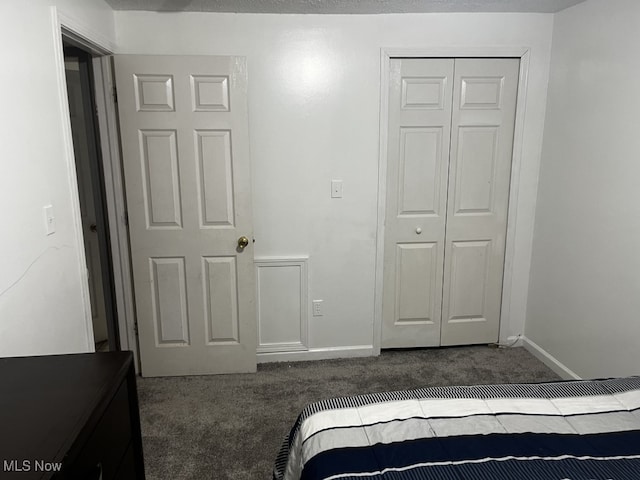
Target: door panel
215, 177
420, 165
186, 162
162, 199
420, 98
483, 119
221, 291
169, 301
478, 92
476, 169
416, 274
154, 93
468, 264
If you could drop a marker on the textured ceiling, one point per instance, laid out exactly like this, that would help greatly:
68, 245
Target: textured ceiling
344, 6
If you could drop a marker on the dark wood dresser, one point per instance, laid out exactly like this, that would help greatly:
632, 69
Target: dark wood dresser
70, 417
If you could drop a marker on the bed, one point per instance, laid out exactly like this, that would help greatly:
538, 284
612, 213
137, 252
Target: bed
577, 430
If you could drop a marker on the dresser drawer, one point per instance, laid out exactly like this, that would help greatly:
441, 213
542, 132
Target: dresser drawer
101, 456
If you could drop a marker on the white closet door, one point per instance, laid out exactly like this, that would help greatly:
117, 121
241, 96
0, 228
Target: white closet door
418, 155
185, 146
484, 105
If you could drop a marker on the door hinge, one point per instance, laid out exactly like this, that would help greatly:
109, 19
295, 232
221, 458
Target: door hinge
125, 219
114, 92
135, 329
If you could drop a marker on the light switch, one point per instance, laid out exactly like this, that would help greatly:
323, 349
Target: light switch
49, 219
336, 188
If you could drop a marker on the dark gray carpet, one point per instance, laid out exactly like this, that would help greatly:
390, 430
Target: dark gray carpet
231, 426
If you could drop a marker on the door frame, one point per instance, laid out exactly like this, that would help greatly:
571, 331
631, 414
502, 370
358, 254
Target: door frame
386, 54
69, 28
94, 168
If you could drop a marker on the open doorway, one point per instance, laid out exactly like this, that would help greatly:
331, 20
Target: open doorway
91, 189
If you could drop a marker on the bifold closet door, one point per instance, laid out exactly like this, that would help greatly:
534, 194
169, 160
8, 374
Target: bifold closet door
418, 156
483, 119
450, 139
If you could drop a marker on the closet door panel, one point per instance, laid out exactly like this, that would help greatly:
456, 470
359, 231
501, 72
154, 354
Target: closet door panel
420, 98
483, 118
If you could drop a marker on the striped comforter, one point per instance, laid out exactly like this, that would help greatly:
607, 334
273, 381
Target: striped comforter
577, 430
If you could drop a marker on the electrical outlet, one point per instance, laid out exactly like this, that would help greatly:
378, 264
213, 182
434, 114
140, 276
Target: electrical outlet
336, 188
317, 308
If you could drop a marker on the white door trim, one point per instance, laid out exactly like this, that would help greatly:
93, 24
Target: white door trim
60, 23
94, 41
451, 52
66, 25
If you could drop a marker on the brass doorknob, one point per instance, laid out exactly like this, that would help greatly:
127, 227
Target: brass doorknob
242, 242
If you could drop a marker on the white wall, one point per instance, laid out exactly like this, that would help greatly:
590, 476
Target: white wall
314, 101
41, 309
585, 284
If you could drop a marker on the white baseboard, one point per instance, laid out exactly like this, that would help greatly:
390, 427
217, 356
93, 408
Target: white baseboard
317, 354
549, 360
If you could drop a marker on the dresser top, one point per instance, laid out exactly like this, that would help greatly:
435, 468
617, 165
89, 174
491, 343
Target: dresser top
46, 401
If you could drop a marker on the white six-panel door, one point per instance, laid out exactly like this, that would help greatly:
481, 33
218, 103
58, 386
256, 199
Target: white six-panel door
447, 199
184, 132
